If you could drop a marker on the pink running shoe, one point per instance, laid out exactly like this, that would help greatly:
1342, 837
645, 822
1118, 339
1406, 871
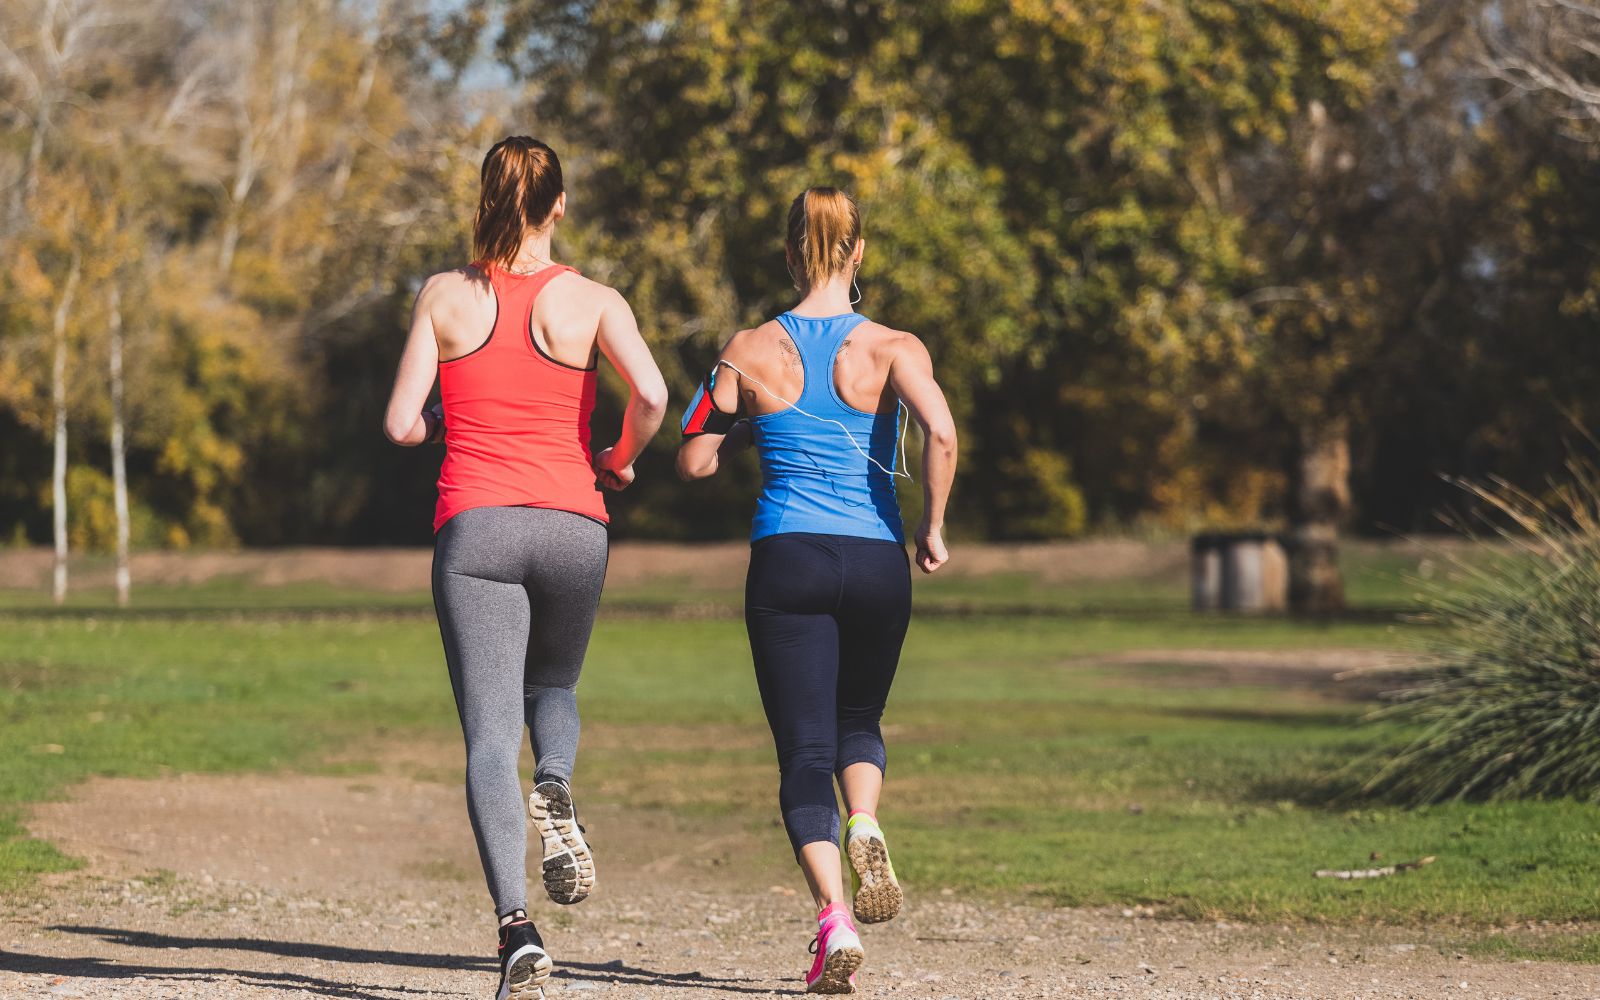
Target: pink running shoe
838, 950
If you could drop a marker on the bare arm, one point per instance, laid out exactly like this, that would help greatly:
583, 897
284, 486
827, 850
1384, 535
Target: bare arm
622, 345
405, 422
911, 377
700, 457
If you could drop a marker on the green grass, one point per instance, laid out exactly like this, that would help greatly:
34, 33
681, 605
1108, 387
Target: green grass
1550, 945
226, 595
1069, 780
1378, 577
1006, 593
1009, 593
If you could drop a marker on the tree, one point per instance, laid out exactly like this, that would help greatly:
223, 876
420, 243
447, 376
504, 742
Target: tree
1199, 264
748, 105
58, 409
1185, 133
1087, 193
1550, 50
50, 50
55, 59
119, 447
1392, 232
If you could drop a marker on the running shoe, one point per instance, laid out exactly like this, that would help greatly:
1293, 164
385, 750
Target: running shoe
877, 891
568, 862
838, 950
524, 964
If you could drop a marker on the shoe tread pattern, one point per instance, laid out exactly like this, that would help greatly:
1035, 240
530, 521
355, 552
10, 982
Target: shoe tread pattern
526, 978
879, 897
568, 864
837, 970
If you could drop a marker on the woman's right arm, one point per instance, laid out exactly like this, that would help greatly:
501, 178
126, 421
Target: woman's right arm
716, 432
620, 342
405, 422
911, 377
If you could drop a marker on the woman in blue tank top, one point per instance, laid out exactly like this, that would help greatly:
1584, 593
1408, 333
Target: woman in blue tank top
820, 391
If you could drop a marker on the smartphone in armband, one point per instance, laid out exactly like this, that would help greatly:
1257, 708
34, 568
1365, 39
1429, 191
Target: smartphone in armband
702, 415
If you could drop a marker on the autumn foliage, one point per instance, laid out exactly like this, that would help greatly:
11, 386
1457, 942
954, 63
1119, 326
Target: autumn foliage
1207, 263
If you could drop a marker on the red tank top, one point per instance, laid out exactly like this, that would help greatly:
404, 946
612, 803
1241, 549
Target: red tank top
516, 421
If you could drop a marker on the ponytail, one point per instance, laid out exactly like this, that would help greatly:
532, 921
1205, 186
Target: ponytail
824, 228
521, 180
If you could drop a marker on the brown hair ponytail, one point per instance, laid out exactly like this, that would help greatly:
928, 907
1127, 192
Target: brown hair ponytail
824, 228
521, 180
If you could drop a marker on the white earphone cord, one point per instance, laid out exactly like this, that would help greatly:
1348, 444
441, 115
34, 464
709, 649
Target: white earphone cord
900, 408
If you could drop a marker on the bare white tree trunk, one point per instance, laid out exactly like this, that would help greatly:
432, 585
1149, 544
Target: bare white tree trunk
266, 112
244, 178
24, 192
42, 46
40, 83
58, 400
119, 463
371, 56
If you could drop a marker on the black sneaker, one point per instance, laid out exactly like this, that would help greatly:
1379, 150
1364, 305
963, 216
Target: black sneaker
524, 964
568, 862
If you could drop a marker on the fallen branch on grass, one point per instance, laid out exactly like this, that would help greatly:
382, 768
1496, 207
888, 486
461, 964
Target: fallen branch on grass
1404, 866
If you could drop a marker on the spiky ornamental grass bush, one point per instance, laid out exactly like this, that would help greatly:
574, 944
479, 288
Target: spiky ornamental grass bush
1510, 707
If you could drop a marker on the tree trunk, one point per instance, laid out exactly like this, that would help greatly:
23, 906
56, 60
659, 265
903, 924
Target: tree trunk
22, 194
119, 463
370, 58
244, 178
1318, 506
58, 400
229, 244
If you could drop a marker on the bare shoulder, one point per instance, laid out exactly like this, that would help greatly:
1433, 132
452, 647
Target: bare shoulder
462, 283
452, 297
888, 342
747, 342
576, 287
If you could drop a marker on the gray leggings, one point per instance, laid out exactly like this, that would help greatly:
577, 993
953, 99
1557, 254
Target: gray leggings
516, 590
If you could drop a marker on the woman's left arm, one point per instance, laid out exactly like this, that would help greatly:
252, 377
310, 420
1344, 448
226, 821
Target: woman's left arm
406, 422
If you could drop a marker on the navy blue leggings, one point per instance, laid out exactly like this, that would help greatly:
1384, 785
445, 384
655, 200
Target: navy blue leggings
826, 615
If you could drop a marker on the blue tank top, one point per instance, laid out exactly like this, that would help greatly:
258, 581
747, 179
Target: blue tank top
813, 479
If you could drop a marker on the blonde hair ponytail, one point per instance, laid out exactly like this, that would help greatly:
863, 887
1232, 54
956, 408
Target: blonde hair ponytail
824, 228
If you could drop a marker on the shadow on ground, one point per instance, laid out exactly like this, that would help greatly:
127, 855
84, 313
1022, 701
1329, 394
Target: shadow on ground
613, 972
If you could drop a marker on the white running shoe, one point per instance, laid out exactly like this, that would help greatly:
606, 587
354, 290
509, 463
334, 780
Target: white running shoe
568, 862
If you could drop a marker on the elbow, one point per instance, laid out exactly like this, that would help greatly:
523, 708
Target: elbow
690, 470
941, 436
395, 430
651, 400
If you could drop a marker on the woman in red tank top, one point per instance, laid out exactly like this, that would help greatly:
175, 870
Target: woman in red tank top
520, 527
518, 428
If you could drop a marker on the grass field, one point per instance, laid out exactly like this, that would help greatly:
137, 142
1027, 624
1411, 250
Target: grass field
1074, 772
1380, 578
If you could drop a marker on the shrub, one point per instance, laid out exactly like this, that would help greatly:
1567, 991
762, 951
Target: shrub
1511, 705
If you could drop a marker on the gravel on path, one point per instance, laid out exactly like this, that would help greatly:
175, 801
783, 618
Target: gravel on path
366, 888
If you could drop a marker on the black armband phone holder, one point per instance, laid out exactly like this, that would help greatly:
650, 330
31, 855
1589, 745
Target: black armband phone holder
702, 416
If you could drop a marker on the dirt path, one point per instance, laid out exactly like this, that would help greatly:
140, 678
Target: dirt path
367, 888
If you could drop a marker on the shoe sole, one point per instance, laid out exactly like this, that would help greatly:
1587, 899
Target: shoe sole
879, 898
837, 969
526, 978
568, 862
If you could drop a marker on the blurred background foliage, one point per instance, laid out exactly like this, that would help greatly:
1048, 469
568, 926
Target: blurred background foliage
1203, 264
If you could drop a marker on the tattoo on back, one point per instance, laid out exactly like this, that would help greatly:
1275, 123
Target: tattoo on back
791, 354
